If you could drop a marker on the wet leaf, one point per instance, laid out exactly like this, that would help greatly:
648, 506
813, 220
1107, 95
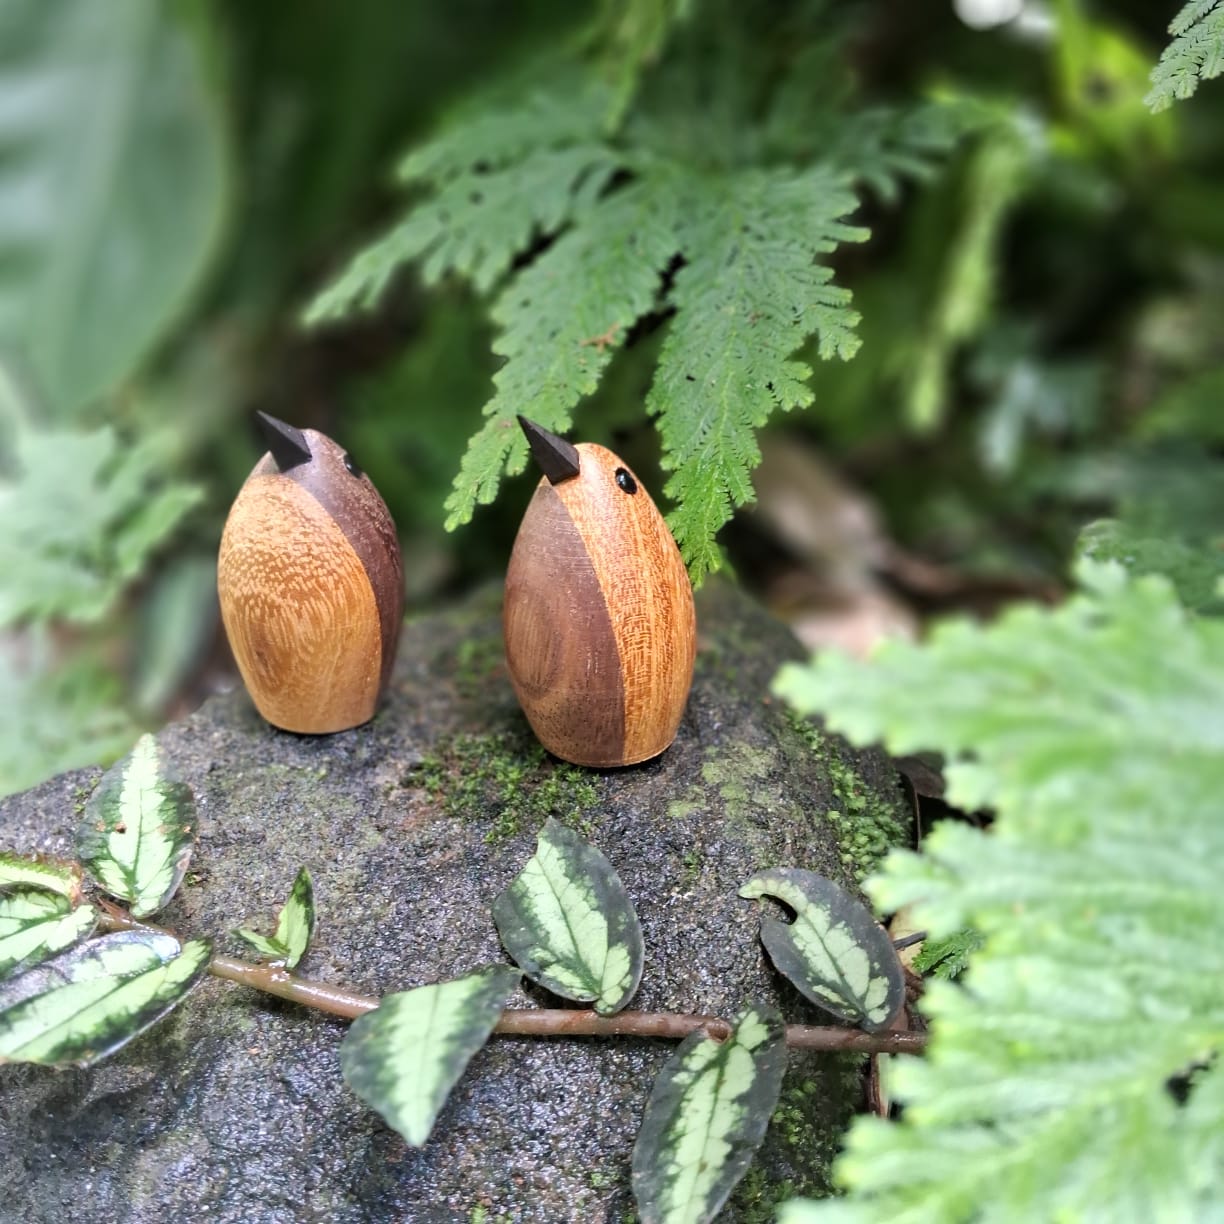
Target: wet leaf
35, 925
86, 1003
834, 952
404, 1058
705, 1119
138, 830
569, 924
294, 926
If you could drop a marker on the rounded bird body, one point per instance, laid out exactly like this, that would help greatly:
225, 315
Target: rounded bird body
311, 584
599, 623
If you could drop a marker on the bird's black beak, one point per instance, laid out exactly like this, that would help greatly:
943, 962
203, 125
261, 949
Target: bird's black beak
558, 459
288, 445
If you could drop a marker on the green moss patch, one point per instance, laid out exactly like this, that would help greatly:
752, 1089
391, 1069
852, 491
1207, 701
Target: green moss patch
868, 825
506, 781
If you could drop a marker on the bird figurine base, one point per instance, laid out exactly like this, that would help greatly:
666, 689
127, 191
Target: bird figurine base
311, 586
599, 624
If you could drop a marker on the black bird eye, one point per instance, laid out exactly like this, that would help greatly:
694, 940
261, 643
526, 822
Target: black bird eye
625, 481
351, 464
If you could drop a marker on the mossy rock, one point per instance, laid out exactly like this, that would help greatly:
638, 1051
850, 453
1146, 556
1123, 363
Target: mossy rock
233, 1108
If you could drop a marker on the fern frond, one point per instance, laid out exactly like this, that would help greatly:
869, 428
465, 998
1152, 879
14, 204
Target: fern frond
562, 319
1195, 54
750, 294
884, 146
499, 180
1095, 732
487, 134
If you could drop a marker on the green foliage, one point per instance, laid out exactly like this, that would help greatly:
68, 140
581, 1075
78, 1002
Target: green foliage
1195, 54
96, 253
294, 925
83, 513
35, 924
947, 957
56, 716
516, 775
747, 241
139, 829
1094, 732
567, 921
834, 952
91, 1000
707, 1114
404, 1058
1194, 565
45, 874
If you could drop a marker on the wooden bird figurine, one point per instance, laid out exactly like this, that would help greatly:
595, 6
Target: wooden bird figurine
311, 584
598, 619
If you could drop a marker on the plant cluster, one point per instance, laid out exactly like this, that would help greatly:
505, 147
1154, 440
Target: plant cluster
69, 997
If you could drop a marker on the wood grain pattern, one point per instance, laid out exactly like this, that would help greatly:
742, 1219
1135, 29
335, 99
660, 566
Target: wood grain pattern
310, 584
595, 572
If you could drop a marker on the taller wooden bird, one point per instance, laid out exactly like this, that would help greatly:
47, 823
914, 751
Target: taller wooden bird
311, 584
598, 619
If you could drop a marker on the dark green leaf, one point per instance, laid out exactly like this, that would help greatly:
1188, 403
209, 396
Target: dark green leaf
834, 952
705, 1119
138, 829
404, 1058
35, 925
87, 1002
294, 926
569, 924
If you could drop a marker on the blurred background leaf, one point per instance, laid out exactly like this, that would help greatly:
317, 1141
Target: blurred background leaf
102, 109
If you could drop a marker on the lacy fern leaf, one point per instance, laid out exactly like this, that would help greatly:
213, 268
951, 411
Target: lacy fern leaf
1195, 54
750, 294
607, 216
1074, 1077
562, 318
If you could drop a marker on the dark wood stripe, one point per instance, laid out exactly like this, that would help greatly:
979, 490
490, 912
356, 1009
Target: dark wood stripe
560, 646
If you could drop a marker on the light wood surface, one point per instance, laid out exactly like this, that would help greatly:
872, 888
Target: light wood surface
311, 591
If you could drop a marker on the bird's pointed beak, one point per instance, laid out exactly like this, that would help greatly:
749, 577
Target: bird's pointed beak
288, 445
557, 458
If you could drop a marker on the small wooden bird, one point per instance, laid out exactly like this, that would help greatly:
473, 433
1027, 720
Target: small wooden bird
311, 584
599, 623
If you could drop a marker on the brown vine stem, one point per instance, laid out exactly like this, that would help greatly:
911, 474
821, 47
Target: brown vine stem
534, 1021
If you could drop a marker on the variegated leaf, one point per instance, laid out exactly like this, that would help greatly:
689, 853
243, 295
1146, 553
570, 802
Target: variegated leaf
834, 952
138, 830
52, 875
705, 1119
404, 1058
86, 1003
294, 926
569, 924
35, 925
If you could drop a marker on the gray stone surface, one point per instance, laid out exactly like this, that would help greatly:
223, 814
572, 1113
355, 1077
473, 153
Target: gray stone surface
233, 1108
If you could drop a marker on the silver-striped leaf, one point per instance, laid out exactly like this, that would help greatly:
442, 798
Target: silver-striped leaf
138, 829
89, 1001
403, 1058
568, 923
51, 875
35, 925
834, 953
294, 925
706, 1117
